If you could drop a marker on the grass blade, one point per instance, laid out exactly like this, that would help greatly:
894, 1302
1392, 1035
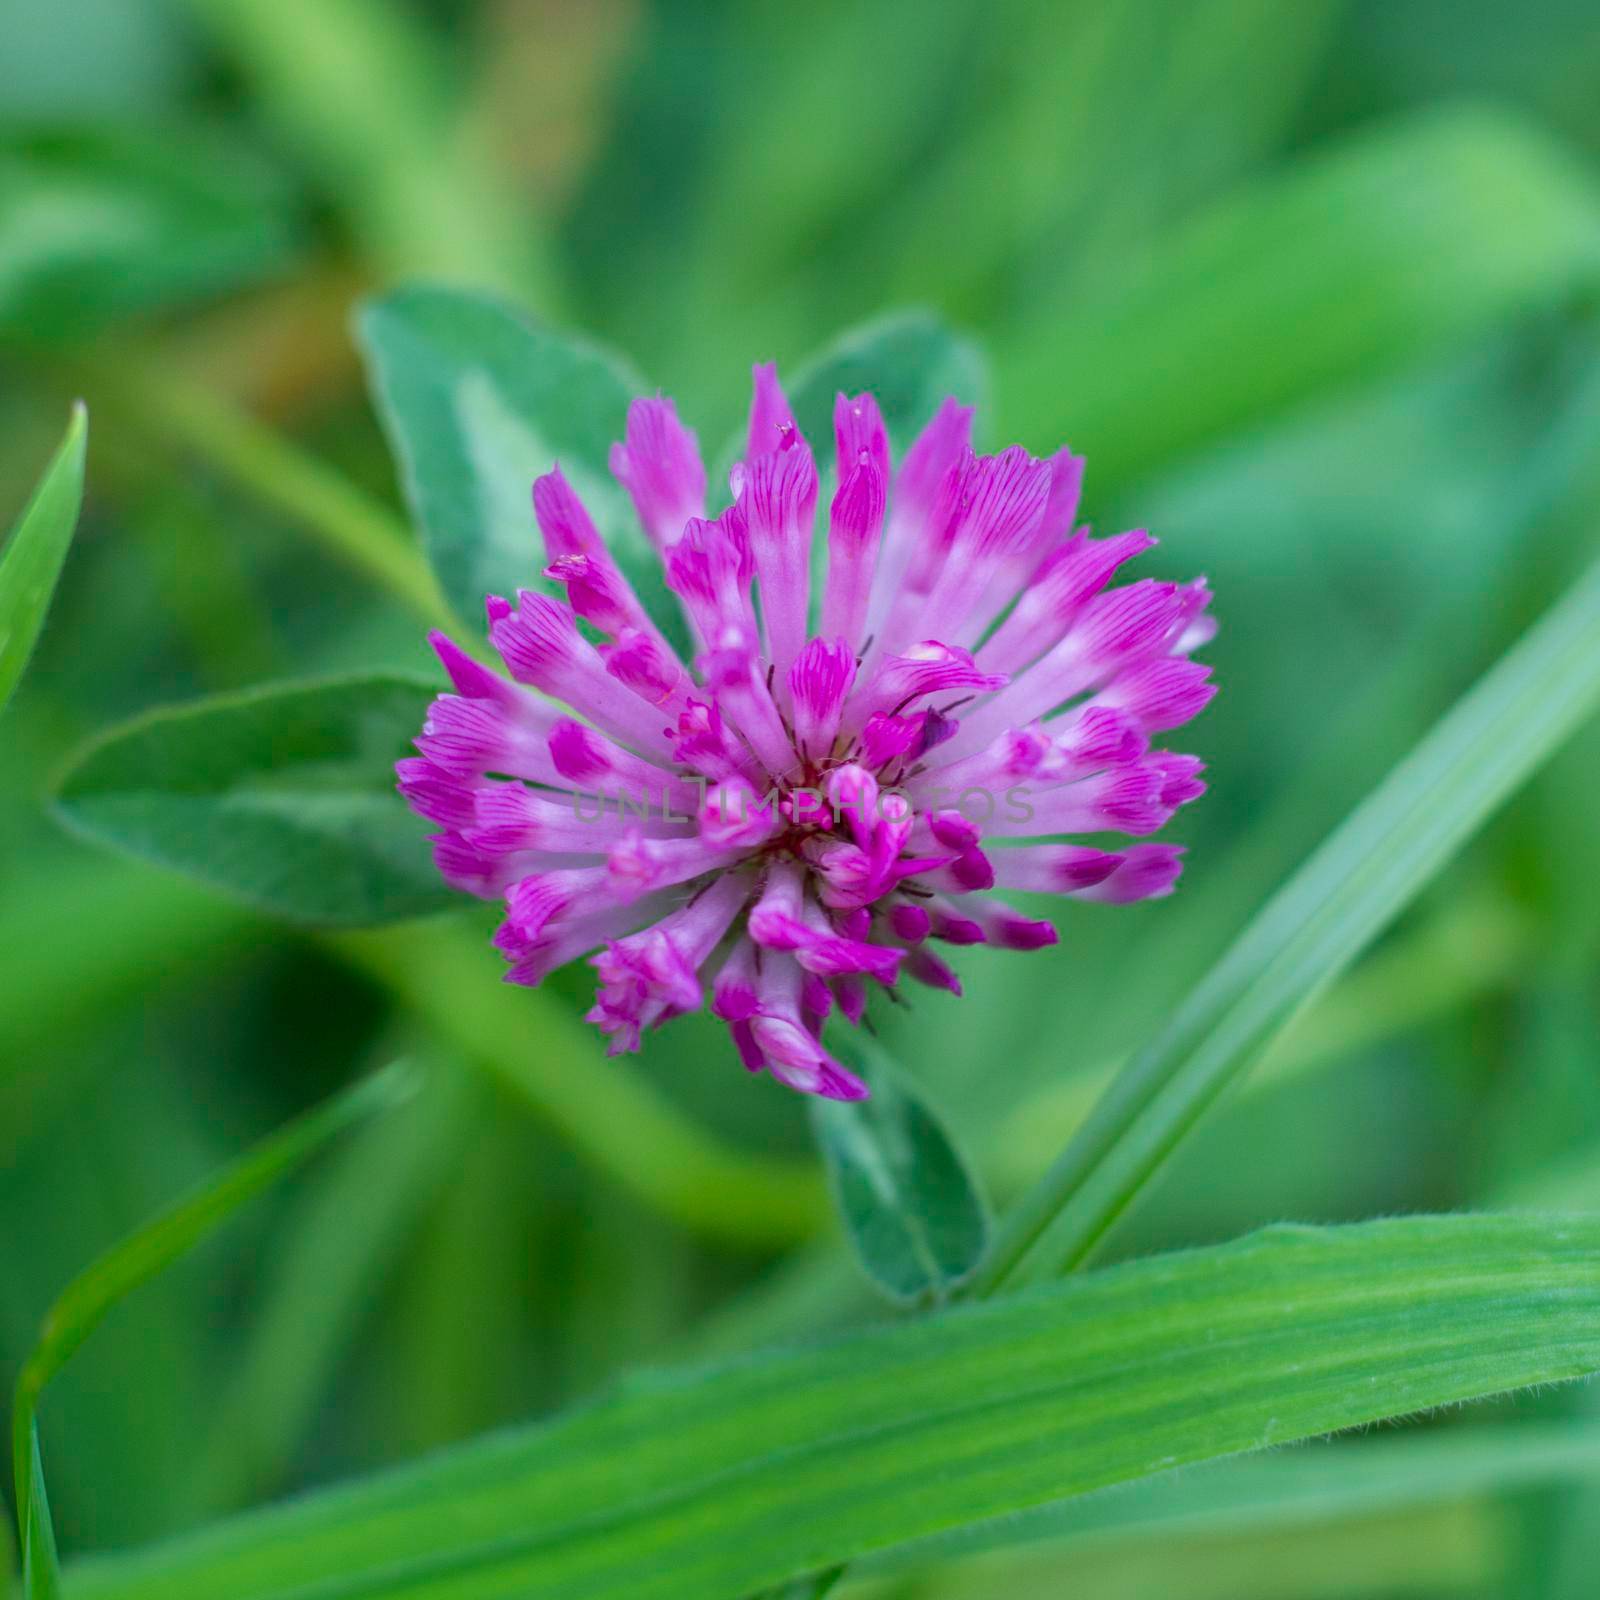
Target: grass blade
36, 551
1318, 1483
713, 1483
1371, 868
82, 1305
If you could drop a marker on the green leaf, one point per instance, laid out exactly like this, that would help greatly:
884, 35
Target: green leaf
41, 1565
1321, 1482
31, 561
282, 796
1373, 866
83, 1304
101, 223
711, 1483
909, 1203
1386, 248
478, 401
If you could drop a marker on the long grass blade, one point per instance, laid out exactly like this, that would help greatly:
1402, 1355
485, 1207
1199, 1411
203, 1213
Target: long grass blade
713, 1483
1350, 890
32, 558
82, 1305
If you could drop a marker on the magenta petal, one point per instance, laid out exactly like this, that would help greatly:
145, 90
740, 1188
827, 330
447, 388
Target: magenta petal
768, 831
659, 464
771, 419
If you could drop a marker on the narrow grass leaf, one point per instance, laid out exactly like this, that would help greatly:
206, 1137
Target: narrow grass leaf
1321, 1482
41, 1564
282, 797
32, 558
83, 1304
709, 1484
1351, 889
909, 1203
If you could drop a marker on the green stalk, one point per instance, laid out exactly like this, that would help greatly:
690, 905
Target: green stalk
1474, 947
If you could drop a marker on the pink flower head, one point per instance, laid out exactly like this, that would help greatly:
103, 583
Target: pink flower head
837, 780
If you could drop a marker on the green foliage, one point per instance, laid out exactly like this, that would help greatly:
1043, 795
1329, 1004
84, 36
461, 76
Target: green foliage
706, 1484
478, 402
1375, 255
99, 223
282, 797
85, 1302
356, 86
32, 558
1320, 1484
909, 1203
1313, 287
1317, 923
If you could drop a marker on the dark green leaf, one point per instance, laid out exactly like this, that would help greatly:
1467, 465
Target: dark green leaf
98, 224
83, 1304
283, 797
909, 1204
478, 401
711, 1483
32, 558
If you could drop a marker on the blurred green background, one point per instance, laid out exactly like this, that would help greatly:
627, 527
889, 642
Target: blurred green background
1313, 285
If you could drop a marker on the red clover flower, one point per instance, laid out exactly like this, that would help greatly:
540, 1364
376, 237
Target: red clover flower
806, 811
